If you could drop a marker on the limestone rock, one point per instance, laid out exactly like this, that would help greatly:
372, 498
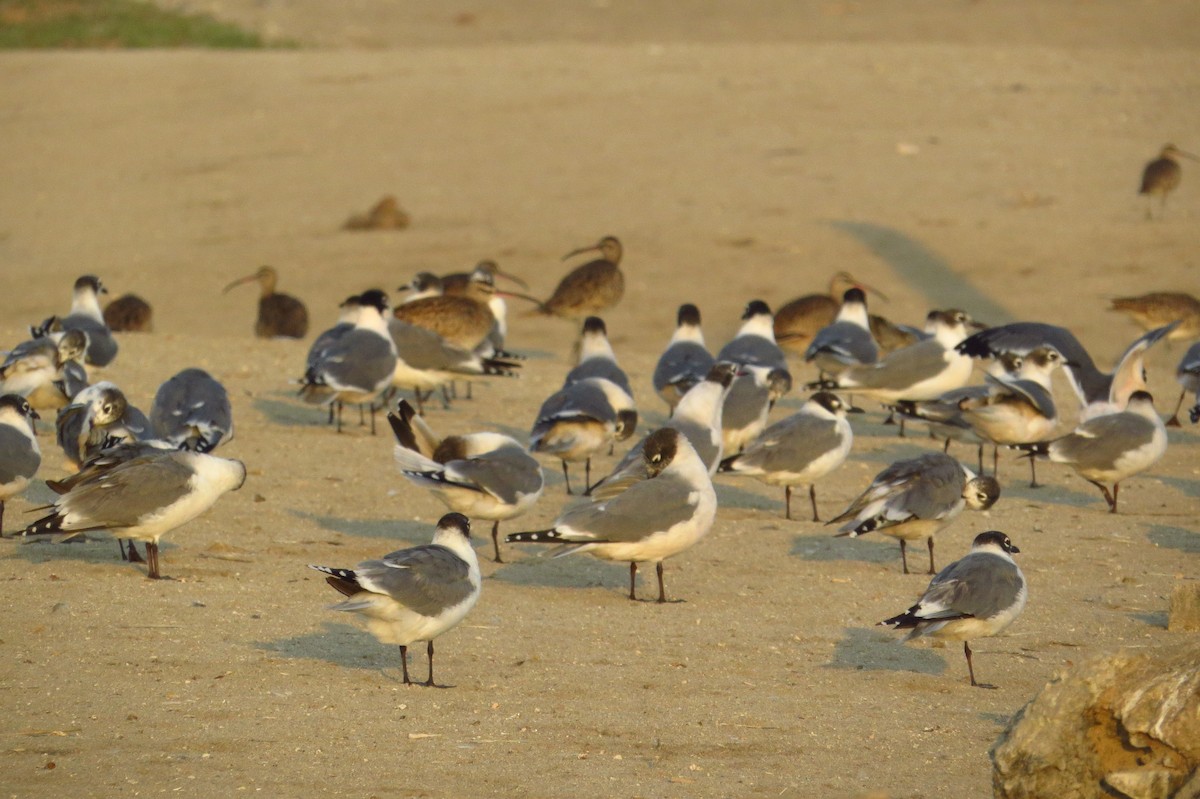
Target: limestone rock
1121, 725
1184, 615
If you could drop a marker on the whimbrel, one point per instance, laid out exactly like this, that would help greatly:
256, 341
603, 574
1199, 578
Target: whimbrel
1161, 177
279, 314
591, 288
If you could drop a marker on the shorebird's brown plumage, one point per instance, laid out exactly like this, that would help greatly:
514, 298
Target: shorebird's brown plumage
384, 215
1162, 176
591, 288
278, 314
129, 313
1159, 308
463, 320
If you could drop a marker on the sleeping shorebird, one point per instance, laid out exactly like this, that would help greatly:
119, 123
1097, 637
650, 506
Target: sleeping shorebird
697, 416
1110, 448
1187, 374
464, 320
665, 511
279, 315
46, 372
85, 315
685, 361
847, 342
1160, 308
191, 411
139, 492
581, 420
20, 455
129, 313
591, 288
1162, 176
798, 320
482, 475
414, 594
98, 417
357, 366
975, 597
915, 499
596, 357
799, 449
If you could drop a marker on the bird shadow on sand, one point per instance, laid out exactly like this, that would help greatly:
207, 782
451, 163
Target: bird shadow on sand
923, 270
730, 495
291, 413
398, 530
1183, 485
1180, 538
868, 649
569, 572
898, 450
825, 547
95, 548
339, 644
1050, 494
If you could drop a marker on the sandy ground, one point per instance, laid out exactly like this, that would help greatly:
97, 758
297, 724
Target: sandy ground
964, 154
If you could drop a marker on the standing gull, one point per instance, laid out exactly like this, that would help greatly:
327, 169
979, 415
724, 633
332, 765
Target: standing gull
141, 498
596, 357
481, 475
685, 361
581, 420
665, 512
975, 597
20, 456
915, 499
1108, 449
413, 594
191, 411
279, 315
356, 367
800, 449
847, 342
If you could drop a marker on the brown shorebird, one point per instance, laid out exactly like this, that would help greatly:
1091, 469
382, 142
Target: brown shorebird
1160, 308
589, 289
129, 313
279, 315
1161, 177
799, 320
384, 215
463, 320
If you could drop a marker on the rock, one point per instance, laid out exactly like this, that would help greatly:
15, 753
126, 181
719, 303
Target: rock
1121, 725
1184, 614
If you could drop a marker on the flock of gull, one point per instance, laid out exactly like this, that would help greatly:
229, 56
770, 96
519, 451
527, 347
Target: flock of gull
140, 476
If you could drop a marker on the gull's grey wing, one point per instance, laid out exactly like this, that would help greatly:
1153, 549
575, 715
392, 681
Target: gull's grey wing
753, 351
600, 367
360, 359
683, 364
792, 443
980, 585
505, 473
1099, 442
128, 492
18, 458
646, 507
427, 579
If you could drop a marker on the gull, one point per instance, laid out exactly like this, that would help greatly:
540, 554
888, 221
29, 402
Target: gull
583, 419
191, 411
917, 498
86, 316
1188, 376
921, 371
98, 417
279, 315
697, 416
974, 597
1108, 449
596, 357
413, 594
20, 455
847, 342
799, 449
754, 344
481, 475
591, 288
356, 367
140, 493
423, 284
685, 361
753, 394
665, 512
46, 371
